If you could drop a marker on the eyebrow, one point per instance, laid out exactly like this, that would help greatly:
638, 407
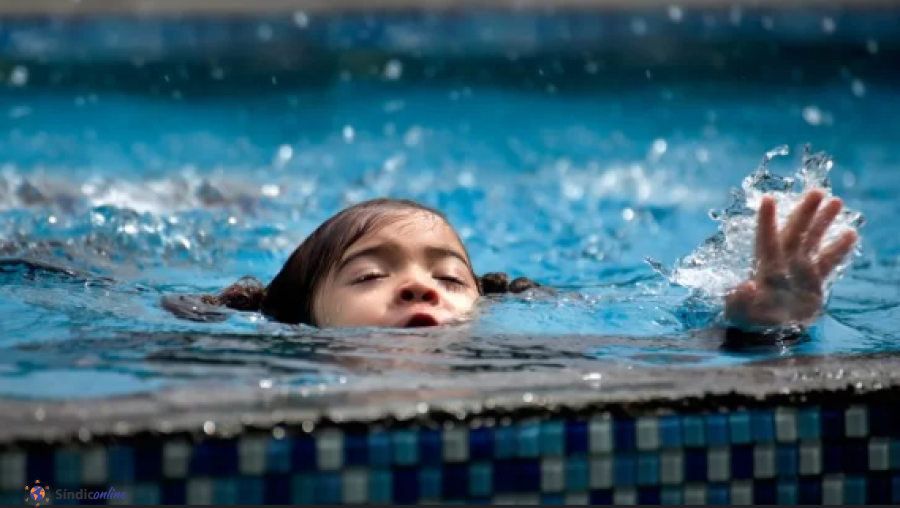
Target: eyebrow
386, 249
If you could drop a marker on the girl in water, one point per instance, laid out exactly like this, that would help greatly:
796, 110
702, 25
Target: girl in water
396, 263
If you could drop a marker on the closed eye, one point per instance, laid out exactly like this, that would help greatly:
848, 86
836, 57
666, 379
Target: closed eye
368, 277
452, 282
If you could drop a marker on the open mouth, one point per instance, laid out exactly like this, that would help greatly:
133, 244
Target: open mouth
421, 320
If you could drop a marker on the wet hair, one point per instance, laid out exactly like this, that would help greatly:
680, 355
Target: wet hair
290, 297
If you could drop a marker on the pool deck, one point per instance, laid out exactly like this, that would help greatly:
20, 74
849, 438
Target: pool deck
238, 7
613, 390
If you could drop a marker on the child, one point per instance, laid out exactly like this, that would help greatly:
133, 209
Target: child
396, 263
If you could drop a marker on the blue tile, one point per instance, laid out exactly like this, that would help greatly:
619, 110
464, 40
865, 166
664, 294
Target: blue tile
881, 421
695, 465
651, 496
810, 491
456, 481
356, 449
381, 486
528, 475
224, 491
856, 456
380, 449
577, 473
406, 485
120, 464
764, 493
788, 492
740, 427
809, 424
624, 434
553, 438
672, 496
15, 498
528, 440
648, 469
742, 462
504, 476
405, 447
277, 488
303, 488
895, 454
624, 470
481, 479
879, 489
431, 446
552, 499
832, 424
481, 444
576, 437
504, 442
896, 487
430, 483
670, 431
147, 463
250, 490
718, 493
174, 492
717, 430
278, 456
329, 487
303, 454
787, 460
763, 426
693, 431
602, 497
855, 490
832, 457
67, 468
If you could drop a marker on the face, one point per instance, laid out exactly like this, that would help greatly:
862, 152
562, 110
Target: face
412, 272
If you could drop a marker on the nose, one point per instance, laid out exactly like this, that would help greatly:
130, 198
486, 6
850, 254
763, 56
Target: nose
417, 292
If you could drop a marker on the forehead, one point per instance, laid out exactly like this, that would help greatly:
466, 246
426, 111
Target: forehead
412, 228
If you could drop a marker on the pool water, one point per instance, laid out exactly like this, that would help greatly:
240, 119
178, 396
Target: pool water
140, 195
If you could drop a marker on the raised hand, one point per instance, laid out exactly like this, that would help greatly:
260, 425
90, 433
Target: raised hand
786, 288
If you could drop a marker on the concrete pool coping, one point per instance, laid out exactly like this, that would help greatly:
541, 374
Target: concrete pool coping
617, 390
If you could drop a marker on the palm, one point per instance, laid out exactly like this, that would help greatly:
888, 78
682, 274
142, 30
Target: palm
791, 266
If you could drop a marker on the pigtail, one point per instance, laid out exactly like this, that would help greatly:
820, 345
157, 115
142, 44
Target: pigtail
247, 294
499, 283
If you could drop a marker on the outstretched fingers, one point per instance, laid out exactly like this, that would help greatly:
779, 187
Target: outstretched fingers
800, 220
834, 254
820, 225
769, 257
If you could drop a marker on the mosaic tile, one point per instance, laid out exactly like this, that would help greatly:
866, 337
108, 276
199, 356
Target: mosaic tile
809, 424
832, 424
430, 483
601, 472
740, 427
742, 462
672, 467
600, 436
224, 491
855, 490
809, 491
552, 474
528, 440
832, 457
670, 431
856, 422
648, 434
695, 465
833, 490
895, 454
431, 445
695, 494
278, 456
810, 458
175, 492
878, 489
121, 465
577, 473
380, 486
693, 434
481, 444
765, 493
577, 437
553, 438
856, 456
252, 455
94, 466
405, 485
787, 460
648, 469
577, 498
786, 425
67, 467
380, 449
718, 493
277, 488
895, 481
624, 434
504, 442
649, 496
624, 470
199, 491
789, 492
671, 496
250, 490
355, 486
763, 426
626, 497
13, 466
717, 430
330, 450
303, 488
480, 478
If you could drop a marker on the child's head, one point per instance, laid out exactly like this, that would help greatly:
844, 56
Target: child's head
385, 262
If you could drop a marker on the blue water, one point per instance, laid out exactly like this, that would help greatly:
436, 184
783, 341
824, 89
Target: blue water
145, 195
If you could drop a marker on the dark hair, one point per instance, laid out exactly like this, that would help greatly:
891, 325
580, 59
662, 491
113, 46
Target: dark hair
290, 296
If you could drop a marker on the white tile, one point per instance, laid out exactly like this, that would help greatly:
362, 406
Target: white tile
879, 454
857, 421
601, 472
695, 494
517, 499
786, 425
199, 491
833, 490
176, 455
625, 497
742, 493
764, 461
94, 466
552, 475
671, 467
252, 455
601, 436
577, 498
810, 458
456, 445
719, 465
330, 450
12, 471
355, 486
648, 433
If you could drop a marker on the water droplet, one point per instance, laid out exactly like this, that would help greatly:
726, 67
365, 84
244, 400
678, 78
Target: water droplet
593, 376
572, 190
422, 408
209, 428
278, 433
702, 155
628, 214
660, 146
308, 426
301, 19
528, 398
393, 70
466, 179
858, 88
18, 76
676, 14
413, 136
265, 384
349, 133
232, 220
828, 25
52, 219
813, 115
84, 435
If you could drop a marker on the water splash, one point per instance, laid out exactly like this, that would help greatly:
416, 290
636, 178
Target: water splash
725, 259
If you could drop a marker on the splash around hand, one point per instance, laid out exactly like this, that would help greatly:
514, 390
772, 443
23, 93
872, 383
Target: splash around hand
791, 266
